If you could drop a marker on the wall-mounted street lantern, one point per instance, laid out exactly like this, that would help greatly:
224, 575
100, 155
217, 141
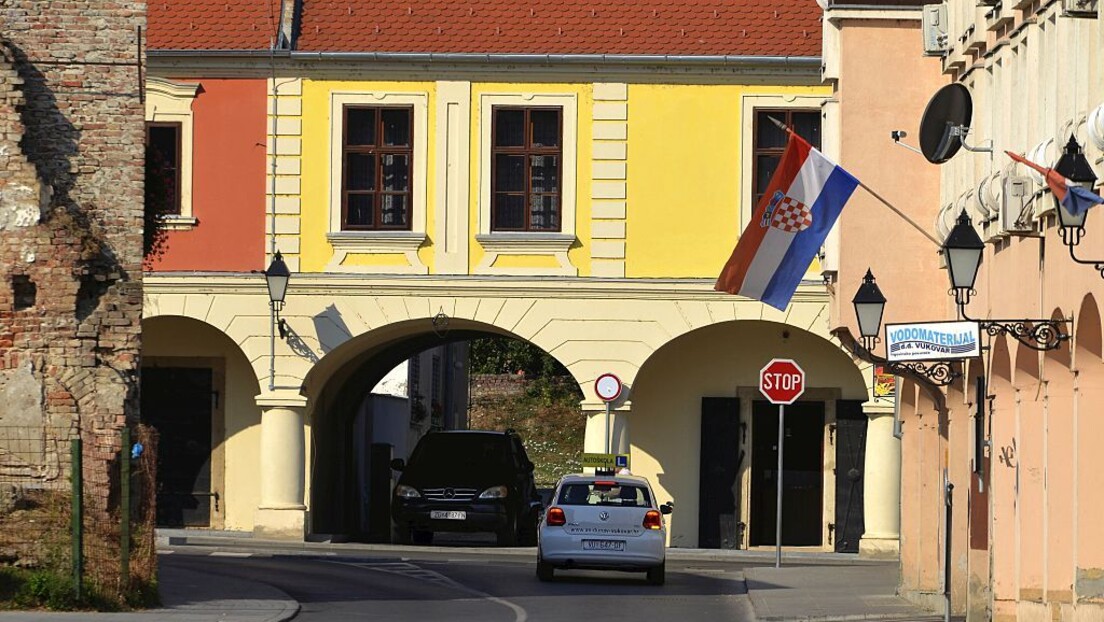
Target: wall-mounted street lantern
869, 306
963, 251
1074, 166
277, 276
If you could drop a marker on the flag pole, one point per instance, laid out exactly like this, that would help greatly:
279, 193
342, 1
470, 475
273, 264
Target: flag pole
782, 126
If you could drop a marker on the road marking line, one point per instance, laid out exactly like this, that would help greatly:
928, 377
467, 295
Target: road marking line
229, 554
413, 571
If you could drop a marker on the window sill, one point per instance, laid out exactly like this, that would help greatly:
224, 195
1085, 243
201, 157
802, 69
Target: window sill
555, 245
404, 243
176, 222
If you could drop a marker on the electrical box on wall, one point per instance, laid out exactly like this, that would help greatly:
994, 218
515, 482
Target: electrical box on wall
1014, 217
936, 42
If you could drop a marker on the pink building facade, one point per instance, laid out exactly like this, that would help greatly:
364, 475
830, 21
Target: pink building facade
1025, 541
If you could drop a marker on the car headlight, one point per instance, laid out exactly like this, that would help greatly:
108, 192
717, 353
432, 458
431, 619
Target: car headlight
494, 492
406, 492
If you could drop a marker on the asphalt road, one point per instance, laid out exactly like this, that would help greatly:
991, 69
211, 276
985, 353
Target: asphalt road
443, 584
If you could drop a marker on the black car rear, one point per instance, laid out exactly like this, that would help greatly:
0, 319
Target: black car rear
467, 481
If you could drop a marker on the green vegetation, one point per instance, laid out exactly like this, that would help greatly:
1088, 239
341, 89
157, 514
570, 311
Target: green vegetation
540, 402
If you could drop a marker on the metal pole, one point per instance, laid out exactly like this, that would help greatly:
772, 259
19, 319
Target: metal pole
609, 441
949, 502
77, 520
778, 509
124, 511
272, 346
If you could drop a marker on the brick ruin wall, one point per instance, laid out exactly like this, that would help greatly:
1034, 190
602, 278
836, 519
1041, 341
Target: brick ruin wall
71, 205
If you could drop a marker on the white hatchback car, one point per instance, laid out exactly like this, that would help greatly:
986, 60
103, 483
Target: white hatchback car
603, 522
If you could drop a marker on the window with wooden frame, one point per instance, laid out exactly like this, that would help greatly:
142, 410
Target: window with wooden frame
526, 168
770, 141
377, 157
163, 163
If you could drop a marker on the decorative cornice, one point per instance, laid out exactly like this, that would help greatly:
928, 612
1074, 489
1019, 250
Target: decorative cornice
169, 88
330, 284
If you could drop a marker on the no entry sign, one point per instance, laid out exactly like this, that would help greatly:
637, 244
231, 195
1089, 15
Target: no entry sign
782, 381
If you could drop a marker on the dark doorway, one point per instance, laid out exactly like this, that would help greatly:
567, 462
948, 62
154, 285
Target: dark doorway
802, 481
178, 402
718, 492
850, 456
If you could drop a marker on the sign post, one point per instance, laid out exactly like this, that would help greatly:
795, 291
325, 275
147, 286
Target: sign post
608, 388
781, 381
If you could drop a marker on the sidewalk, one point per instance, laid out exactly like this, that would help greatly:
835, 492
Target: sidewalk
191, 597
810, 586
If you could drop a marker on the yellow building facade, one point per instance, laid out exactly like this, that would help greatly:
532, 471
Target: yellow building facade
656, 182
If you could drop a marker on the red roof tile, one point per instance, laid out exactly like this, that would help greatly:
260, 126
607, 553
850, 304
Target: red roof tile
212, 24
674, 27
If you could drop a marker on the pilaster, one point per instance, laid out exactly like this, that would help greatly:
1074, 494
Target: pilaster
609, 172
283, 184
282, 513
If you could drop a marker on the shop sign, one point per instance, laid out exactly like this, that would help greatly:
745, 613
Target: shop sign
932, 341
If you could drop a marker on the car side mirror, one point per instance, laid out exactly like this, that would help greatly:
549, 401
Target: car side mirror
667, 508
398, 464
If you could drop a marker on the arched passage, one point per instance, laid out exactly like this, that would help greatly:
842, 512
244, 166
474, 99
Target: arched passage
350, 427
198, 389
1088, 426
697, 421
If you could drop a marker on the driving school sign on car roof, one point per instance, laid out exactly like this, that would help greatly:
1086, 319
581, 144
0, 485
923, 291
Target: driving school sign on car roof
931, 341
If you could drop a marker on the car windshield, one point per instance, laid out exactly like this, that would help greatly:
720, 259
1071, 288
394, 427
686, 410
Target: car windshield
604, 493
460, 454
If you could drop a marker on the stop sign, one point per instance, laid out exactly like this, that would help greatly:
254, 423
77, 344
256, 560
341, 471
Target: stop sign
782, 381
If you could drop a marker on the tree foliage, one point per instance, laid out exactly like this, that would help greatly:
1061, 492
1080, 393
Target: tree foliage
501, 355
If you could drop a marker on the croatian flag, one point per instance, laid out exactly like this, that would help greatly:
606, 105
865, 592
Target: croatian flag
1074, 198
804, 198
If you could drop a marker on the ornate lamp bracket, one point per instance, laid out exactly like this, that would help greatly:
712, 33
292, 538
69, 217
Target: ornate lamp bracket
1041, 335
932, 373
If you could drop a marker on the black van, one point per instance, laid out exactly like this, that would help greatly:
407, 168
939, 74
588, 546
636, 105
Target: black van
466, 480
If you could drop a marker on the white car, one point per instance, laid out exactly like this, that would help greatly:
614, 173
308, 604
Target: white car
603, 522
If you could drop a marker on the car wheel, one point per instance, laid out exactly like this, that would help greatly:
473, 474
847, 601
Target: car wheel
656, 574
401, 535
527, 534
508, 535
422, 537
545, 572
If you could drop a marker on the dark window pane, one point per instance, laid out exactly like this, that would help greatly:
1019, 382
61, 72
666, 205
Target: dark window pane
360, 126
163, 141
396, 172
509, 127
509, 173
768, 136
546, 128
359, 210
360, 171
162, 166
393, 210
544, 211
544, 173
396, 126
509, 211
764, 168
807, 126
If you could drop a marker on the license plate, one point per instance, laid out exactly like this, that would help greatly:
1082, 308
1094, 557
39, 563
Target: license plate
603, 545
448, 515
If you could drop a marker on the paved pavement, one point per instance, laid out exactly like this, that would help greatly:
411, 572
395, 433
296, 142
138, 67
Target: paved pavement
815, 587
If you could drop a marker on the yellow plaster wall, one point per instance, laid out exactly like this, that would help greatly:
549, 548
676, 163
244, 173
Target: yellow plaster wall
316, 169
686, 162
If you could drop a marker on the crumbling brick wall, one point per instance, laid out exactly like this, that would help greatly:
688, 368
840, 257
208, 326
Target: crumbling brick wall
71, 205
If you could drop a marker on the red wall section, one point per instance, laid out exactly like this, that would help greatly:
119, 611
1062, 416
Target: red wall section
228, 182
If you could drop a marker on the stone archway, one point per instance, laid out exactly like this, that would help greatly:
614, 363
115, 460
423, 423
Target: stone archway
717, 367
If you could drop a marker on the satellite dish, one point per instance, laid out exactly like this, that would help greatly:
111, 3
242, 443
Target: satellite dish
946, 120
